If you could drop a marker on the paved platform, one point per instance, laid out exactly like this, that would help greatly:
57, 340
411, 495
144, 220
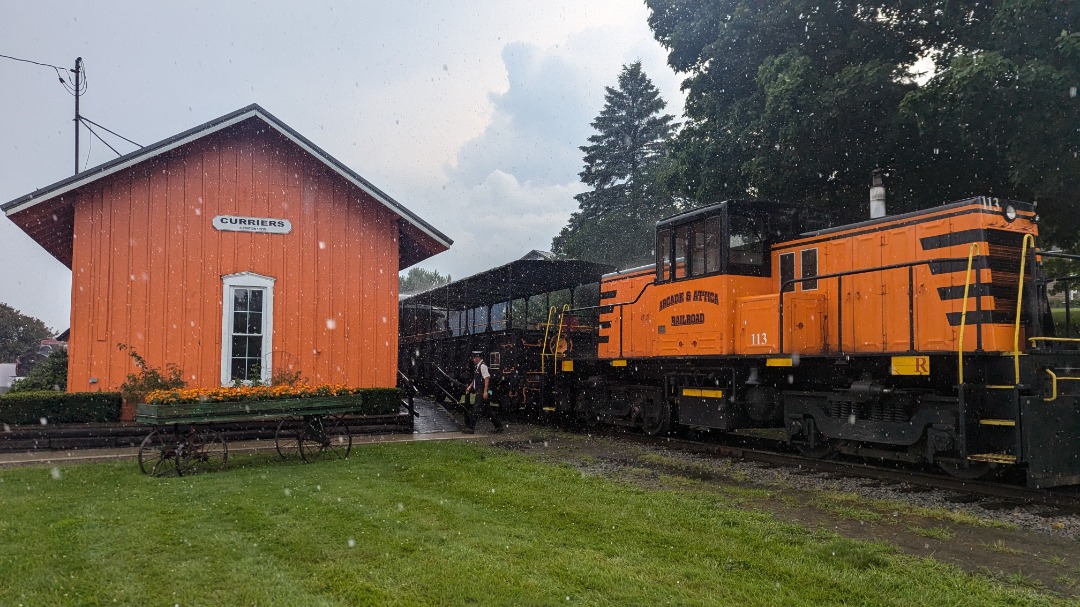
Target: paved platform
433, 423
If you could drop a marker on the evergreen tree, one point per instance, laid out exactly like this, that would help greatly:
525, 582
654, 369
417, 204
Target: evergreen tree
622, 162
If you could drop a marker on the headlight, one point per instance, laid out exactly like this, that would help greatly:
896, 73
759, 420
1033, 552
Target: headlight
1010, 212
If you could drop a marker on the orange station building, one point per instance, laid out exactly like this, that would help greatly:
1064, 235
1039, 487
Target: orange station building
234, 250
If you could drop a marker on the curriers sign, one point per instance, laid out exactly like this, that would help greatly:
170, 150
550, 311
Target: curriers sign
262, 225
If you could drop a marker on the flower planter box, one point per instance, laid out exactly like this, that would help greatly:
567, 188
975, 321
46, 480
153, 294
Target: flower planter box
376, 401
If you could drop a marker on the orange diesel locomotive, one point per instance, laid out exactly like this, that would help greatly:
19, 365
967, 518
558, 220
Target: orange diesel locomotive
924, 337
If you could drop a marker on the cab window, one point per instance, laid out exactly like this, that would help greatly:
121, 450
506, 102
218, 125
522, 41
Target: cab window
712, 245
663, 255
682, 241
746, 245
697, 246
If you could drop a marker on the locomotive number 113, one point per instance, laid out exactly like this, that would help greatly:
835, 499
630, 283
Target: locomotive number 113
759, 339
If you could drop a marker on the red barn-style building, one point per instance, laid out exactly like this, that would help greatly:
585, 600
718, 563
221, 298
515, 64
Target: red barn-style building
234, 250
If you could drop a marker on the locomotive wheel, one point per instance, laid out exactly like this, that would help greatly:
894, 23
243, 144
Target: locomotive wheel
655, 415
822, 450
974, 471
156, 456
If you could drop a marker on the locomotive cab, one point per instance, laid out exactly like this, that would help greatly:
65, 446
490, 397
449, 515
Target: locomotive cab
731, 237
707, 260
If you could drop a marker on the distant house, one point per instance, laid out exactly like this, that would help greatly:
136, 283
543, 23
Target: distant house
234, 250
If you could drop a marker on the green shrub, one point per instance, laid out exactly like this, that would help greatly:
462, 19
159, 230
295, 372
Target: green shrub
49, 374
59, 407
149, 378
381, 401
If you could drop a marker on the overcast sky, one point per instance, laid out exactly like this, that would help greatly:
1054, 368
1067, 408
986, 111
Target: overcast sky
468, 113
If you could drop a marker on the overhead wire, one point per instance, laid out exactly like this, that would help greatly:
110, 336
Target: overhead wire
89, 146
59, 73
109, 131
94, 133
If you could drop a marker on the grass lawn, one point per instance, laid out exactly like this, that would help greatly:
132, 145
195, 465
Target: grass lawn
435, 523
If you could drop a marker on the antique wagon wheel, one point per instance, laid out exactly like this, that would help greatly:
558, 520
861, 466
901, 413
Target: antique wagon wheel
157, 457
286, 438
324, 437
204, 450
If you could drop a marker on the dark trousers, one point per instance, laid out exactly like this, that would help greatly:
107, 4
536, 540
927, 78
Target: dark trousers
482, 408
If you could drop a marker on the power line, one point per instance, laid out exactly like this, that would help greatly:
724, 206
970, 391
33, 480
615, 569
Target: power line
58, 70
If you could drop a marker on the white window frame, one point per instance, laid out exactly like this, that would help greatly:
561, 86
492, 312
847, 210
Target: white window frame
247, 280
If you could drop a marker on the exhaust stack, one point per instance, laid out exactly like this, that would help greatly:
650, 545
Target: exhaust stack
877, 195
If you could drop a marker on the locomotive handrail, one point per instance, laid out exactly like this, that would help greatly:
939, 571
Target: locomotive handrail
840, 301
1054, 339
963, 315
1054, 379
558, 339
544, 347
1019, 304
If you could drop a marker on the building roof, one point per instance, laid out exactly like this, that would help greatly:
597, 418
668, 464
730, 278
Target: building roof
419, 240
520, 278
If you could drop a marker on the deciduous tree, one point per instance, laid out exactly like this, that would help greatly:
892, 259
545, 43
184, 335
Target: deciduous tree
419, 279
800, 99
19, 333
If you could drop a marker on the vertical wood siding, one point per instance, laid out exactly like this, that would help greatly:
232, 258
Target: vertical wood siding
147, 265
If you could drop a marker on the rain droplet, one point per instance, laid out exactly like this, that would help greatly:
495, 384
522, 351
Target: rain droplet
55, 473
400, 507
1072, 91
851, 419
331, 324
352, 543
287, 492
44, 421
322, 245
198, 211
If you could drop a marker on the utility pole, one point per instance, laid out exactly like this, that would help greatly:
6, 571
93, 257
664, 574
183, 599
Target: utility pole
77, 70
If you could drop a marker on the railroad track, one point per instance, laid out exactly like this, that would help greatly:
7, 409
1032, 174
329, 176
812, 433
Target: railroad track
1056, 502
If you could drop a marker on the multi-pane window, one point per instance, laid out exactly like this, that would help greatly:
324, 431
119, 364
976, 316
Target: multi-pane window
247, 321
246, 356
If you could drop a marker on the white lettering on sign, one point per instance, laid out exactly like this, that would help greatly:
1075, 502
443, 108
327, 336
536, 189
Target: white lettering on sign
263, 225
